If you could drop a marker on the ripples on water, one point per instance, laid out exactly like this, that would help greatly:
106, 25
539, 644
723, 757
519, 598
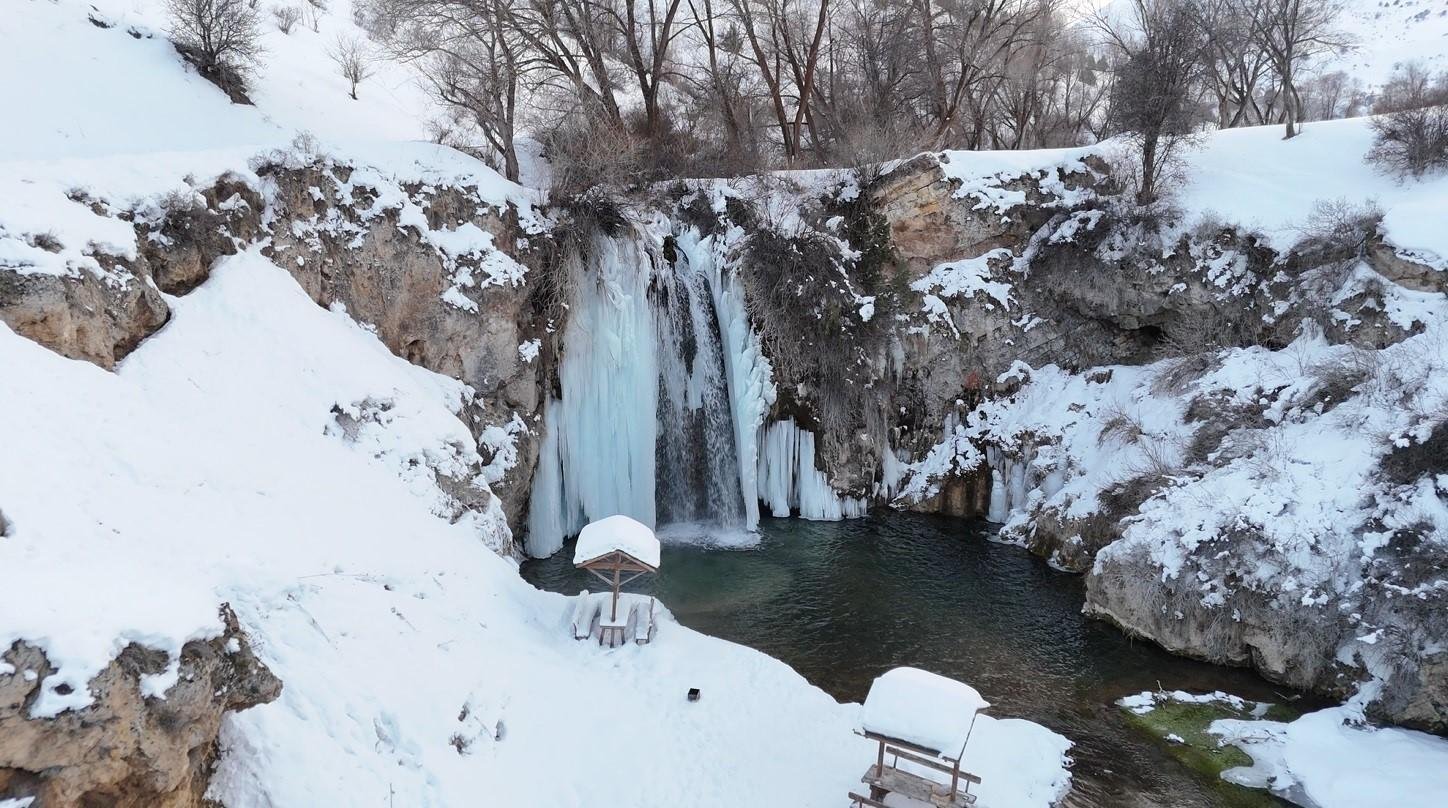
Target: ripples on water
842, 602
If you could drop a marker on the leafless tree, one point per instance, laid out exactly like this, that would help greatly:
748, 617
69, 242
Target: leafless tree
471, 58
353, 60
314, 9
1291, 33
219, 34
785, 41
1235, 66
1412, 126
1161, 50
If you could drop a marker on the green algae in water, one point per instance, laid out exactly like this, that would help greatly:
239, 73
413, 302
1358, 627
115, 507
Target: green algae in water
1199, 750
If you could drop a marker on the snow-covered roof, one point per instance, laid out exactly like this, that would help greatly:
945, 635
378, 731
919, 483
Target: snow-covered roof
617, 532
922, 708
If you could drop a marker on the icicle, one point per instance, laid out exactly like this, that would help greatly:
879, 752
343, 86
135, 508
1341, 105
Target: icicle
789, 481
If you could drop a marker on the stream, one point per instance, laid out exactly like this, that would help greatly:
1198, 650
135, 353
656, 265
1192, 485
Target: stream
841, 602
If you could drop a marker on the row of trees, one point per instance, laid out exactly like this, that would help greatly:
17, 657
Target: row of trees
718, 86
621, 90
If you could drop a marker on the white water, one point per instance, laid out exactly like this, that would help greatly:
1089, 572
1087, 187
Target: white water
665, 393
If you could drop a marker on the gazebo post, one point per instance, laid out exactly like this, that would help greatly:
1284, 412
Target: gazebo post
618, 565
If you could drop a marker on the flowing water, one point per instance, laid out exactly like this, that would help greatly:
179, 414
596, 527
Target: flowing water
842, 602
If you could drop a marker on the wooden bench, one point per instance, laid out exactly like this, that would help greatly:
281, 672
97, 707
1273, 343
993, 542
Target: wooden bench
898, 781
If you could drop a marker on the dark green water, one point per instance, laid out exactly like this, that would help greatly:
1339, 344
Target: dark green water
842, 602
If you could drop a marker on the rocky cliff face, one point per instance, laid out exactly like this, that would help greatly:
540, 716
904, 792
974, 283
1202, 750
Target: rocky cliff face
147, 740
976, 282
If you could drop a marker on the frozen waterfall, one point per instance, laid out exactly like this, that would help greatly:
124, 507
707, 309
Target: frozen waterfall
644, 425
664, 396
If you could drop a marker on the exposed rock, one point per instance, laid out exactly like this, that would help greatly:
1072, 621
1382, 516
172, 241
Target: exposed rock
1292, 642
127, 750
195, 230
388, 278
84, 316
1400, 268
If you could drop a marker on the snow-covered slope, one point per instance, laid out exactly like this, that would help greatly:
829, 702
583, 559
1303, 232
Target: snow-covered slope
417, 665
1385, 33
84, 79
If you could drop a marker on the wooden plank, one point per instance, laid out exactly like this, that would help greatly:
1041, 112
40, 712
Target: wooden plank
897, 781
862, 800
875, 736
934, 764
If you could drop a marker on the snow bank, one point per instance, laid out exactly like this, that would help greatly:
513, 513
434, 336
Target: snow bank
1333, 760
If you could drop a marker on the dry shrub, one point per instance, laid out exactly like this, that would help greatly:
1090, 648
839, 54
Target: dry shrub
1411, 130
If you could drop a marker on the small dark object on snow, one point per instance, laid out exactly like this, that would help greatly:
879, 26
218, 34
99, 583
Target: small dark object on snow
693, 694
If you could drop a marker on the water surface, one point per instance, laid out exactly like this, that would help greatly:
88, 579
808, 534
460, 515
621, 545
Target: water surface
841, 602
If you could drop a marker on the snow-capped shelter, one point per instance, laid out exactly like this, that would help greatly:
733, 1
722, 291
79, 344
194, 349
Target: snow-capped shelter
610, 548
924, 719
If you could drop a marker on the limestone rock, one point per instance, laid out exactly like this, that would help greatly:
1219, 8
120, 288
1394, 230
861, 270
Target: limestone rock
84, 316
127, 750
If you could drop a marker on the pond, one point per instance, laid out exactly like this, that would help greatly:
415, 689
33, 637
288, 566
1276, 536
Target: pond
841, 602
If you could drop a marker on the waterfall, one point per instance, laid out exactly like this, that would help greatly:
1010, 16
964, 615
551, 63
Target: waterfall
698, 470
644, 425
664, 395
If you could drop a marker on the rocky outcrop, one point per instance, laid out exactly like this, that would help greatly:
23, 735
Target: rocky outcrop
127, 749
97, 318
429, 306
1378, 639
385, 275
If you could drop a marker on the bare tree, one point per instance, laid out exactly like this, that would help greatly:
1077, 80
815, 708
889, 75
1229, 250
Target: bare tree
286, 17
1152, 100
649, 29
353, 61
1291, 33
316, 7
785, 41
967, 46
218, 34
1235, 66
471, 57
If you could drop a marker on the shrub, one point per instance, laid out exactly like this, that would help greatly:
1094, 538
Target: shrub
1406, 464
286, 17
1411, 131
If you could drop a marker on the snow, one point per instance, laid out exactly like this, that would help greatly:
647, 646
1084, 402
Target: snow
1255, 178
922, 708
81, 94
617, 532
1333, 760
418, 667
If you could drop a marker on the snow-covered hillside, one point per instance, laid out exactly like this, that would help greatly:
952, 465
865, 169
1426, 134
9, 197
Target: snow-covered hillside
1385, 33
87, 79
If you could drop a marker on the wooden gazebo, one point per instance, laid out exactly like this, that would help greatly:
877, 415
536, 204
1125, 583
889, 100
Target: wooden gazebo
924, 720
611, 549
